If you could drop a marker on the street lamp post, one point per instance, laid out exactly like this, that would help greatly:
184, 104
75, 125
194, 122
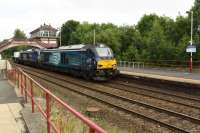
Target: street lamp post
191, 41
94, 37
60, 35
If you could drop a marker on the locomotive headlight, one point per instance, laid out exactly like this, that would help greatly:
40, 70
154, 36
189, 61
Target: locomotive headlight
100, 65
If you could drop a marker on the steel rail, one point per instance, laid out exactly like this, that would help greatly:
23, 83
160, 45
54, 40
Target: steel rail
164, 93
172, 127
148, 95
125, 98
164, 124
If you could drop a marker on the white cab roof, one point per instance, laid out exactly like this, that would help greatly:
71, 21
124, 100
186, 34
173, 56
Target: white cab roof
78, 46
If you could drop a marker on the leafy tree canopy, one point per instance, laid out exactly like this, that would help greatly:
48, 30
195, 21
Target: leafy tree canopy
18, 34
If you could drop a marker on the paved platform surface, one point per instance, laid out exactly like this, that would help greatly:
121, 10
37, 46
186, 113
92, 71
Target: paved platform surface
172, 75
11, 120
35, 121
166, 72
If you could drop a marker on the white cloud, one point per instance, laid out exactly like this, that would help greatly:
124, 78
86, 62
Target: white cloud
29, 14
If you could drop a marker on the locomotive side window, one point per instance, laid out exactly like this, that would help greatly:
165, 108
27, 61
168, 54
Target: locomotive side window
46, 57
42, 57
54, 58
64, 59
24, 56
74, 58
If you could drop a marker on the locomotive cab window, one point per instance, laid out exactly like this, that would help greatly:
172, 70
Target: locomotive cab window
104, 52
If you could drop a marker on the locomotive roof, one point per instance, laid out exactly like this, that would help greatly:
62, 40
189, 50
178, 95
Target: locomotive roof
29, 51
78, 47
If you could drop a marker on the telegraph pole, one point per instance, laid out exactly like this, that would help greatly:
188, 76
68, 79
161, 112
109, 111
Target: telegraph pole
94, 37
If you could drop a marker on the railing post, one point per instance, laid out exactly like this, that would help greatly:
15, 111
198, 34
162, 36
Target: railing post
6, 69
21, 83
12, 75
32, 100
15, 76
18, 79
25, 89
91, 130
48, 112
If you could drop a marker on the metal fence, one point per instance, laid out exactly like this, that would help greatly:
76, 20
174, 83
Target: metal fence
157, 64
126, 65
28, 88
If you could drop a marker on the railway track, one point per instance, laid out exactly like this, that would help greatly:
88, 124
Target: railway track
173, 120
187, 101
151, 89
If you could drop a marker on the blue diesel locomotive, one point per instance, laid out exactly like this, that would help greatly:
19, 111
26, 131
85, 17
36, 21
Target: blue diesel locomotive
89, 61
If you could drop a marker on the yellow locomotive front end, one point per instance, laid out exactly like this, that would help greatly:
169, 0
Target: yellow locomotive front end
106, 69
106, 64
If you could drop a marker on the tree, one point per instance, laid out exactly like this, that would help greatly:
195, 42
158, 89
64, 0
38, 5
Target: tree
196, 26
155, 42
83, 33
110, 35
153, 38
145, 24
67, 30
18, 34
130, 37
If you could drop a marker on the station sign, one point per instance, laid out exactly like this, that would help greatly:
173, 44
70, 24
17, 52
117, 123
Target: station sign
191, 49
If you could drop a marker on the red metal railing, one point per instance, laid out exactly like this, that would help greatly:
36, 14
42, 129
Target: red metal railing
19, 77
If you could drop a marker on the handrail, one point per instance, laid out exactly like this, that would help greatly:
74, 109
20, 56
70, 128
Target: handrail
157, 63
128, 64
21, 76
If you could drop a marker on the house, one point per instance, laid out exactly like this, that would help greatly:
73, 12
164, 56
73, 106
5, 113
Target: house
45, 34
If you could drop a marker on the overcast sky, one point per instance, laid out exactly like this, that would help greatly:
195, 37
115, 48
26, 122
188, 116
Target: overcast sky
30, 14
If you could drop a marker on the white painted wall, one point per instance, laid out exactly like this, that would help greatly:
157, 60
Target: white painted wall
5, 64
9, 66
2, 64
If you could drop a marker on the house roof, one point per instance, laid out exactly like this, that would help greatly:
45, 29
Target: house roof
44, 27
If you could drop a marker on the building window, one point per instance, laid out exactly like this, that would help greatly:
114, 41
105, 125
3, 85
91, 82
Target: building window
52, 34
46, 34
